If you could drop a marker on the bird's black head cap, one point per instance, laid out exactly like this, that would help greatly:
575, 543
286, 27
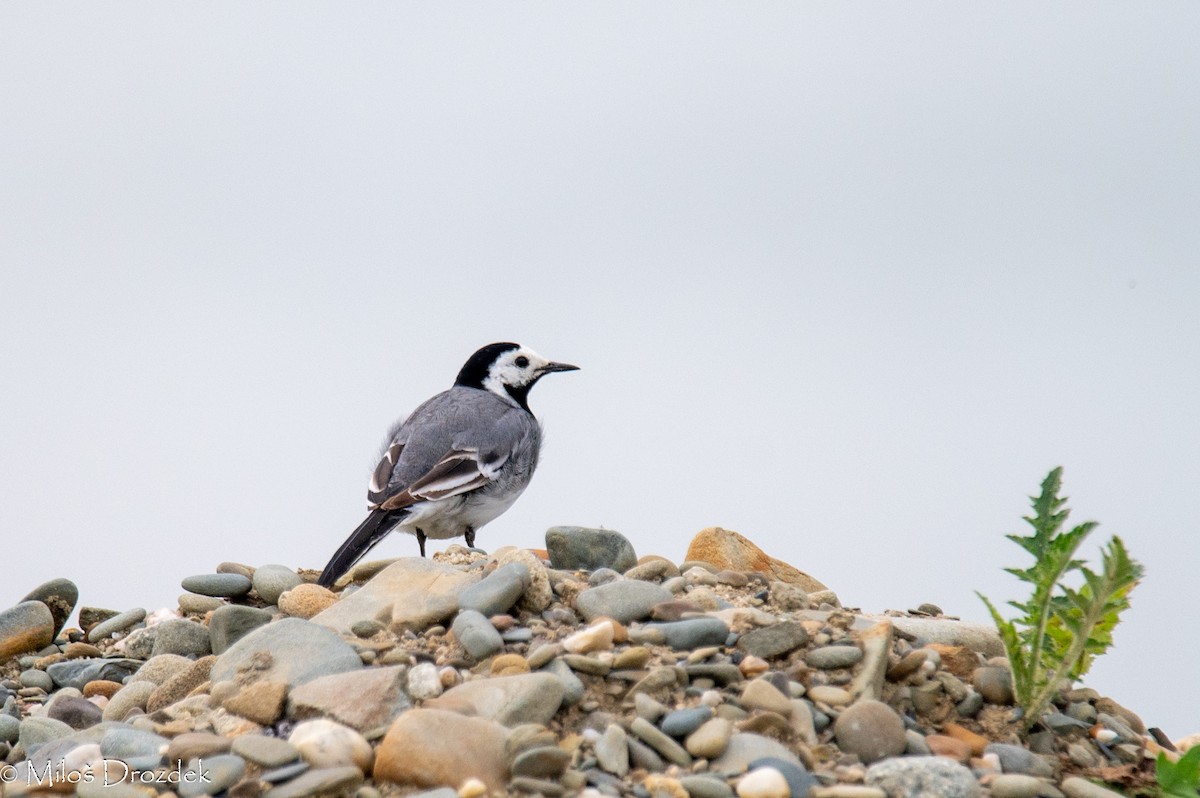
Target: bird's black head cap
475, 370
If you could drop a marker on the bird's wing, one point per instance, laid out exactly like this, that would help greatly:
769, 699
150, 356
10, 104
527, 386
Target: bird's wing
459, 471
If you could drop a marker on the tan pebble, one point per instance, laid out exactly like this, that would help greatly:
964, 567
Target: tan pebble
306, 600
596, 637
79, 650
325, 743
45, 662
449, 677
847, 791
942, 745
751, 666
977, 742
761, 694
509, 665
502, 623
664, 787
261, 702
828, 694
472, 788
101, 687
959, 660
620, 633
631, 658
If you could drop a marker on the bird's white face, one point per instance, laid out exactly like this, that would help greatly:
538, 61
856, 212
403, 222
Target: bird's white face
516, 368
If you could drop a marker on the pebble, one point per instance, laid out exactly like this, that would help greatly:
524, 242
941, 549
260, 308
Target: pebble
773, 641
700, 786
764, 782
745, 748
272, 581
75, 711
761, 694
424, 681
197, 745
231, 622
298, 651
135, 695
830, 695
1014, 785
10, 728
870, 729
476, 634
29, 626
218, 585
323, 781
683, 722
361, 699
210, 775
612, 751
1075, 787
913, 776
290, 771
120, 742
1016, 759
414, 750
181, 684
59, 596
181, 636
261, 701
538, 594
653, 569
37, 731
306, 601
800, 782
692, 633
830, 657
574, 548
660, 742
572, 685
496, 592
324, 743
994, 684
195, 604
596, 637
36, 678
710, 740
543, 762
268, 752
117, 623
511, 701
78, 672
626, 601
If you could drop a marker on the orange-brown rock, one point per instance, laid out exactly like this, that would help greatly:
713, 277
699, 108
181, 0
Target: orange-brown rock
414, 751
959, 660
728, 550
977, 742
944, 745
28, 626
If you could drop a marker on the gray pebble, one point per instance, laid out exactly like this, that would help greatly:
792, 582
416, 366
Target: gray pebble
319, 781
994, 684
706, 787
231, 622
1075, 787
683, 722
1016, 785
10, 728
117, 623
774, 640
366, 628
571, 683
799, 780
210, 775
496, 592
575, 548
923, 775
1016, 759
181, 636
691, 633
122, 742
76, 712
272, 581
36, 678
285, 772
476, 634
199, 605
219, 585
830, 657
660, 742
78, 672
871, 729
626, 601
612, 750
543, 762
602, 576
269, 752
37, 731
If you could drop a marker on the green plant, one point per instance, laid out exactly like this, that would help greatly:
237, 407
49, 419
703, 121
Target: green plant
1179, 779
1061, 629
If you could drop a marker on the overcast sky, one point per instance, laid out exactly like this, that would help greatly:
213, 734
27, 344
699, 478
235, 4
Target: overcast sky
847, 278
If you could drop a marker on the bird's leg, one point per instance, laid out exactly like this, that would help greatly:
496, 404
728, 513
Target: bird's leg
421, 541
470, 536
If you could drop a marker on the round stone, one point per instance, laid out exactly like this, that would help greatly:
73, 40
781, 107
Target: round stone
325, 744
763, 783
923, 775
710, 740
219, 585
871, 729
994, 684
306, 600
272, 581
36, 678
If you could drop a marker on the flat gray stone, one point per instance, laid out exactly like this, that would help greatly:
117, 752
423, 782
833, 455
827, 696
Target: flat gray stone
291, 650
683, 722
117, 623
210, 775
692, 633
476, 634
626, 600
78, 672
498, 591
322, 780
510, 700
572, 684
37, 731
124, 742
59, 596
706, 787
218, 585
1017, 759
831, 657
231, 622
576, 548
181, 636
660, 742
269, 752
76, 712
774, 640
923, 775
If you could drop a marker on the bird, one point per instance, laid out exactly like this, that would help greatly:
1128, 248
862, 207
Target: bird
459, 460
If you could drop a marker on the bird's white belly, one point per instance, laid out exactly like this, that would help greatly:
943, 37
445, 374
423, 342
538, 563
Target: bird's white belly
450, 518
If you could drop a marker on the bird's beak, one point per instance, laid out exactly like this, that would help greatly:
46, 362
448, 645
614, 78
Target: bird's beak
549, 367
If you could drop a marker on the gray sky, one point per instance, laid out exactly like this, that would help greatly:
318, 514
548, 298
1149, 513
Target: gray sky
849, 279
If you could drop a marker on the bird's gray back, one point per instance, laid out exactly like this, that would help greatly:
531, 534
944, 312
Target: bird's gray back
460, 418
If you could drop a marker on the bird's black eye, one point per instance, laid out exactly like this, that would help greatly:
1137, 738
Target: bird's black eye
522, 362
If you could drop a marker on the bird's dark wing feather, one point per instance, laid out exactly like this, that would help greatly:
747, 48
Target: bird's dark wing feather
459, 471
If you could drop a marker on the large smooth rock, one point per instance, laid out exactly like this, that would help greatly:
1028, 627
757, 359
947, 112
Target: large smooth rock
577, 548
626, 600
427, 748
59, 596
362, 699
28, 626
511, 700
727, 550
870, 729
476, 634
411, 593
292, 650
923, 775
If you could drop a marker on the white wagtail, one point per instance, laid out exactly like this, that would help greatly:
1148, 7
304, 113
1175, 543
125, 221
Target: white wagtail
460, 460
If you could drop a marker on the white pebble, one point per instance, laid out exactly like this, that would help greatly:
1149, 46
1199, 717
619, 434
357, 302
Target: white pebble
763, 783
424, 681
326, 744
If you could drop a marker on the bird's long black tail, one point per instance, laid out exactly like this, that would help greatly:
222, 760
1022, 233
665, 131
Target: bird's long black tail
373, 529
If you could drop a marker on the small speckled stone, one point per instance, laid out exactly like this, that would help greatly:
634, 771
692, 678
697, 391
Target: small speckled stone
870, 729
921, 775
994, 684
